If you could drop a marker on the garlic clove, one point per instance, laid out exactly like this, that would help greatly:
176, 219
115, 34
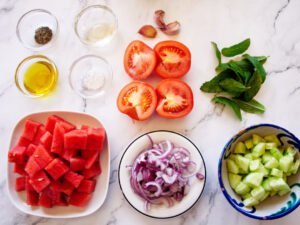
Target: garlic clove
172, 28
148, 31
159, 18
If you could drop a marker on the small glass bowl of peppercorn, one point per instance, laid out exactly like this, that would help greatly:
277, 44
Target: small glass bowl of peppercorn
37, 29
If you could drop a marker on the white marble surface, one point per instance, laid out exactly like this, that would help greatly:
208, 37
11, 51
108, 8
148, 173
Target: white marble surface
272, 25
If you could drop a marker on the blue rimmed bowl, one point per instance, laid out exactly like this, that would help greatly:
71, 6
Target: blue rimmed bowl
274, 207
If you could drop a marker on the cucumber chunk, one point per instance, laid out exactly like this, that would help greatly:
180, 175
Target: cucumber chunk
249, 156
271, 163
248, 195
254, 179
265, 196
278, 184
240, 148
285, 163
266, 184
248, 202
258, 193
263, 170
276, 173
232, 167
291, 151
257, 139
259, 150
242, 188
249, 144
266, 157
295, 167
242, 163
234, 180
270, 145
276, 153
254, 165
272, 138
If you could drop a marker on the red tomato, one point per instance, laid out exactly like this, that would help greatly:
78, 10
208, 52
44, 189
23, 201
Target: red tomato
139, 60
175, 99
174, 59
138, 100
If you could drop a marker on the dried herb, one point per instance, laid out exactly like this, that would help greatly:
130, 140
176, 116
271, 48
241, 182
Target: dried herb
43, 35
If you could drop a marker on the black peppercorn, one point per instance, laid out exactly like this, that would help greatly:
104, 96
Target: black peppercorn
43, 35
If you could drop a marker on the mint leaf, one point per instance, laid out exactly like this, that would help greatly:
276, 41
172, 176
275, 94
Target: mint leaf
213, 85
252, 106
226, 101
236, 49
232, 86
258, 66
217, 52
254, 86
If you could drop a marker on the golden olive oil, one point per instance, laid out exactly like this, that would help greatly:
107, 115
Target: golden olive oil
40, 78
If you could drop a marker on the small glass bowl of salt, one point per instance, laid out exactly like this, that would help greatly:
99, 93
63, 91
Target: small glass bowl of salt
90, 76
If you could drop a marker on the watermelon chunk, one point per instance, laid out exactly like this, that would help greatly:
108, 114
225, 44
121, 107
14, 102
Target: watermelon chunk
23, 142
31, 127
41, 131
56, 168
45, 199
28, 186
57, 145
95, 140
17, 154
32, 167
87, 186
79, 199
95, 170
30, 149
75, 139
32, 197
73, 178
19, 168
84, 127
20, 184
77, 164
42, 156
86, 154
40, 181
52, 120
68, 154
91, 160
67, 188
46, 140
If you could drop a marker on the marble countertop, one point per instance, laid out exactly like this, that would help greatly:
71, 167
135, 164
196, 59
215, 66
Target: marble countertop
272, 25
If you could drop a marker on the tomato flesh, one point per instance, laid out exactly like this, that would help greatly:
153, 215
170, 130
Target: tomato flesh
138, 100
174, 59
175, 99
139, 60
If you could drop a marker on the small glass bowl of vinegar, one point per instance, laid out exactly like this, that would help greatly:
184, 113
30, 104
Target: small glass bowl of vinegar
36, 76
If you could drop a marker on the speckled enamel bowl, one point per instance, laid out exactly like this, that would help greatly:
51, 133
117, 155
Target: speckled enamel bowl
274, 207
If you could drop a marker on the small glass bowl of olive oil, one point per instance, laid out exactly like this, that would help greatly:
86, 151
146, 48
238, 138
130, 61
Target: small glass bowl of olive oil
36, 76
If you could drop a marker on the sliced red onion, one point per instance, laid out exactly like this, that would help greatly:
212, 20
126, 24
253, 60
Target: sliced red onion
200, 176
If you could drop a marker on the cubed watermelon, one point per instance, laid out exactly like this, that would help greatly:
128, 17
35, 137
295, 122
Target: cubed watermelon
57, 145
79, 199
42, 156
19, 169
54, 195
75, 139
86, 154
46, 140
77, 164
95, 140
84, 127
17, 155
40, 181
32, 197
56, 168
41, 131
45, 199
62, 201
52, 120
30, 130
30, 149
28, 186
68, 154
63, 187
93, 158
95, 170
23, 142
87, 186
73, 178
20, 184
32, 167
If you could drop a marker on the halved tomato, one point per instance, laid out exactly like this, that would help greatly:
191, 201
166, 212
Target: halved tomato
138, 100
175, 98
139, 60
174, 59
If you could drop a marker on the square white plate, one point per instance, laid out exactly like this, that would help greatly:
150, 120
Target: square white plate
98, 198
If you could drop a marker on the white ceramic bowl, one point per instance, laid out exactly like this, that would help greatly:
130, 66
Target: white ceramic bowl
274, 207
163, 211
19, 198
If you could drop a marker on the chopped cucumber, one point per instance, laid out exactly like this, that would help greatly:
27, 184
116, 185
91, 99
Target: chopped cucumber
271, 163
295, 167
266, 184
272, 138
232, 167
232, 157
249, 156
242, 163
257, 139
270, 145
254, 179
258, 193
263, 170
254, 165
249, 144
240, 148
276, 153
234, 180
291, 151
265, 196
285, 163
278, 184
242, 188
266, 157
248, 202
259, 150
248, 195
276, 173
